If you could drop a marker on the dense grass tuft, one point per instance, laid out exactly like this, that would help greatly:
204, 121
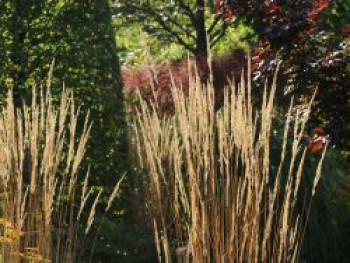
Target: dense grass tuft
214, 195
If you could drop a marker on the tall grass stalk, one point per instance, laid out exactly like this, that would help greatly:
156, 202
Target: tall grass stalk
41, 200
214, 196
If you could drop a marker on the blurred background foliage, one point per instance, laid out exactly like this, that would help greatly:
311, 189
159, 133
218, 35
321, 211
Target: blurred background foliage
138, 47
89, 41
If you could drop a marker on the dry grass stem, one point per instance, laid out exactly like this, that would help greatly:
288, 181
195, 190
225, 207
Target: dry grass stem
215, 196
40, 196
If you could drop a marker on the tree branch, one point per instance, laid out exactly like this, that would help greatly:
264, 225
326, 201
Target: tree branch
188, 10
156, 15
176, 36
215, 22
165, 36
218, 35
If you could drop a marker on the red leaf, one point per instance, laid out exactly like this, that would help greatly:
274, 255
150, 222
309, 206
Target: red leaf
319, 131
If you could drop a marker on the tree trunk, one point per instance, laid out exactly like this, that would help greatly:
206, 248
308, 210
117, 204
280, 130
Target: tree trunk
201, 42
18, 57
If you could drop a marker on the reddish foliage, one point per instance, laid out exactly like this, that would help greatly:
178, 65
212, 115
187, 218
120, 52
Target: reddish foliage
315, 146
346, 30
224, 70
147, 79
278, 23
319, 131
317, 143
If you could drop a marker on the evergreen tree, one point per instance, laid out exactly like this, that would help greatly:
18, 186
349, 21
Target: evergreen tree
78, 36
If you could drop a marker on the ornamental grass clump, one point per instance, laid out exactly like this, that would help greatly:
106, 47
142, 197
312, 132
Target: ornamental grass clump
42, 194
214, 194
